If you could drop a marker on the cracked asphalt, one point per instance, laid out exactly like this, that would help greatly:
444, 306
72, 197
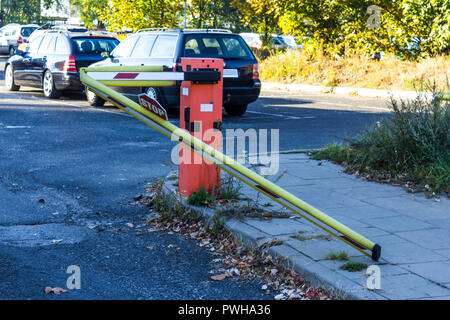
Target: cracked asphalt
68, 176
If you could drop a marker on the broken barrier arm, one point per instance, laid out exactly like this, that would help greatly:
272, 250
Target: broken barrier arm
249, 177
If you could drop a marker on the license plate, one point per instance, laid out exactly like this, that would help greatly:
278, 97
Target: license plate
230, 73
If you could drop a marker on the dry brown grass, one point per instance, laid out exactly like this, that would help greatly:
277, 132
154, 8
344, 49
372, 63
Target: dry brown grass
307, 67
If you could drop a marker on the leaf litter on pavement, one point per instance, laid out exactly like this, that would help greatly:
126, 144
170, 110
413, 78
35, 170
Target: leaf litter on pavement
235, 259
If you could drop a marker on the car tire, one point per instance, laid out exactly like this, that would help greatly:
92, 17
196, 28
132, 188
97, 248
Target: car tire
93, 99
236, 110
9, 79
11, 51
48, 85
152, 93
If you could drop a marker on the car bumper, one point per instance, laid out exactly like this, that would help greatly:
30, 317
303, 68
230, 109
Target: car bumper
68, 81
170, 96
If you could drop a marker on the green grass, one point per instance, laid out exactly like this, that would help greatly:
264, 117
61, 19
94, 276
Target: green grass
337, 256
354, 266
411, 146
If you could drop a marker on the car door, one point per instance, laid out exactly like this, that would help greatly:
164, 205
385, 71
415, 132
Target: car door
23, 70
39, 59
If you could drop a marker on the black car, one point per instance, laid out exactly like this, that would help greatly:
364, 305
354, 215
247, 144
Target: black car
166, 47
52, 61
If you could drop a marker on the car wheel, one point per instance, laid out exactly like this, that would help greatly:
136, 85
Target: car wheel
48, 85
11, 51
235, 109
152, 93
93, 99
9, 79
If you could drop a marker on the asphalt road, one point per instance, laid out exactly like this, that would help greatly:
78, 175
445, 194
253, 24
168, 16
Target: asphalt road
65, 167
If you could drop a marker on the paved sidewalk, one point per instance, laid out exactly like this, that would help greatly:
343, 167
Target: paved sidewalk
414, 232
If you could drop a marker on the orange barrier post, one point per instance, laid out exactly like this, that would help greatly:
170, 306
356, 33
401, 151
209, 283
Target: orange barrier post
201, 116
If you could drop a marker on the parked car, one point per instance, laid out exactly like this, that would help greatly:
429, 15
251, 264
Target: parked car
52, 60
253, 40
166, 47
69, 28
12, 35
291, 42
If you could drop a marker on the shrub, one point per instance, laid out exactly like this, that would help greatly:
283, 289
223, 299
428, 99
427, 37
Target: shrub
413, 144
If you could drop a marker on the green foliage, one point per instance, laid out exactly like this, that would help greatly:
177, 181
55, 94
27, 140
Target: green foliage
89, 11
337, 256
414, 143
261, 16
214, 14
200, 197
354, 266
218, 223
24, 11
230, 189
350, 24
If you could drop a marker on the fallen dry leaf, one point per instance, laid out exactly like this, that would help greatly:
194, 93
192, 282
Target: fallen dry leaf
55, 290
219, 277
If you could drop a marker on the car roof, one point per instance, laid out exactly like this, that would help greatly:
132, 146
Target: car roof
189, 31
79, 34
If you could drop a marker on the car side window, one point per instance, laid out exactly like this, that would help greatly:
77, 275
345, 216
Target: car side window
212, 47
144, 46
34, 45
191, 48
46, 45
164, 47
62, 45
234, 48
125, 47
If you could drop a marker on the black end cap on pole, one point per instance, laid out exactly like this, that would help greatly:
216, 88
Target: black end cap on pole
376, 252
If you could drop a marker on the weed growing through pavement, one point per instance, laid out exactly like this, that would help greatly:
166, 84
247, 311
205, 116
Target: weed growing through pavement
337, 256
354, 266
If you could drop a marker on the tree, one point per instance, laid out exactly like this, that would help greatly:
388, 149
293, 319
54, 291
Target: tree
89, 11
345, 23
24, 11
261, 16
214, 14
137, 14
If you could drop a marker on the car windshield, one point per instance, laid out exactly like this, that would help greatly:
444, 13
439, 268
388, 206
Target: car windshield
216, 46
92, 45
27, 31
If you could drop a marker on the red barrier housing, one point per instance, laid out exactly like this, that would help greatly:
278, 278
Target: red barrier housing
200, 115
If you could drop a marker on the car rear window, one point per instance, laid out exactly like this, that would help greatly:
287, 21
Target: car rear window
217, 46
27, 31
92, 45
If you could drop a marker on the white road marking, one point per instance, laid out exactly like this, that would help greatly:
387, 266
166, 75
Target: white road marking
18, 127
281, 115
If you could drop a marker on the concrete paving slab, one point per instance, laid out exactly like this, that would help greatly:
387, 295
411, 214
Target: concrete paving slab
365, 211
408, 252
441, 223
397, 223
372, 191
436, 271
408, 286
319, 249
430, 238
443, 252
279, 226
